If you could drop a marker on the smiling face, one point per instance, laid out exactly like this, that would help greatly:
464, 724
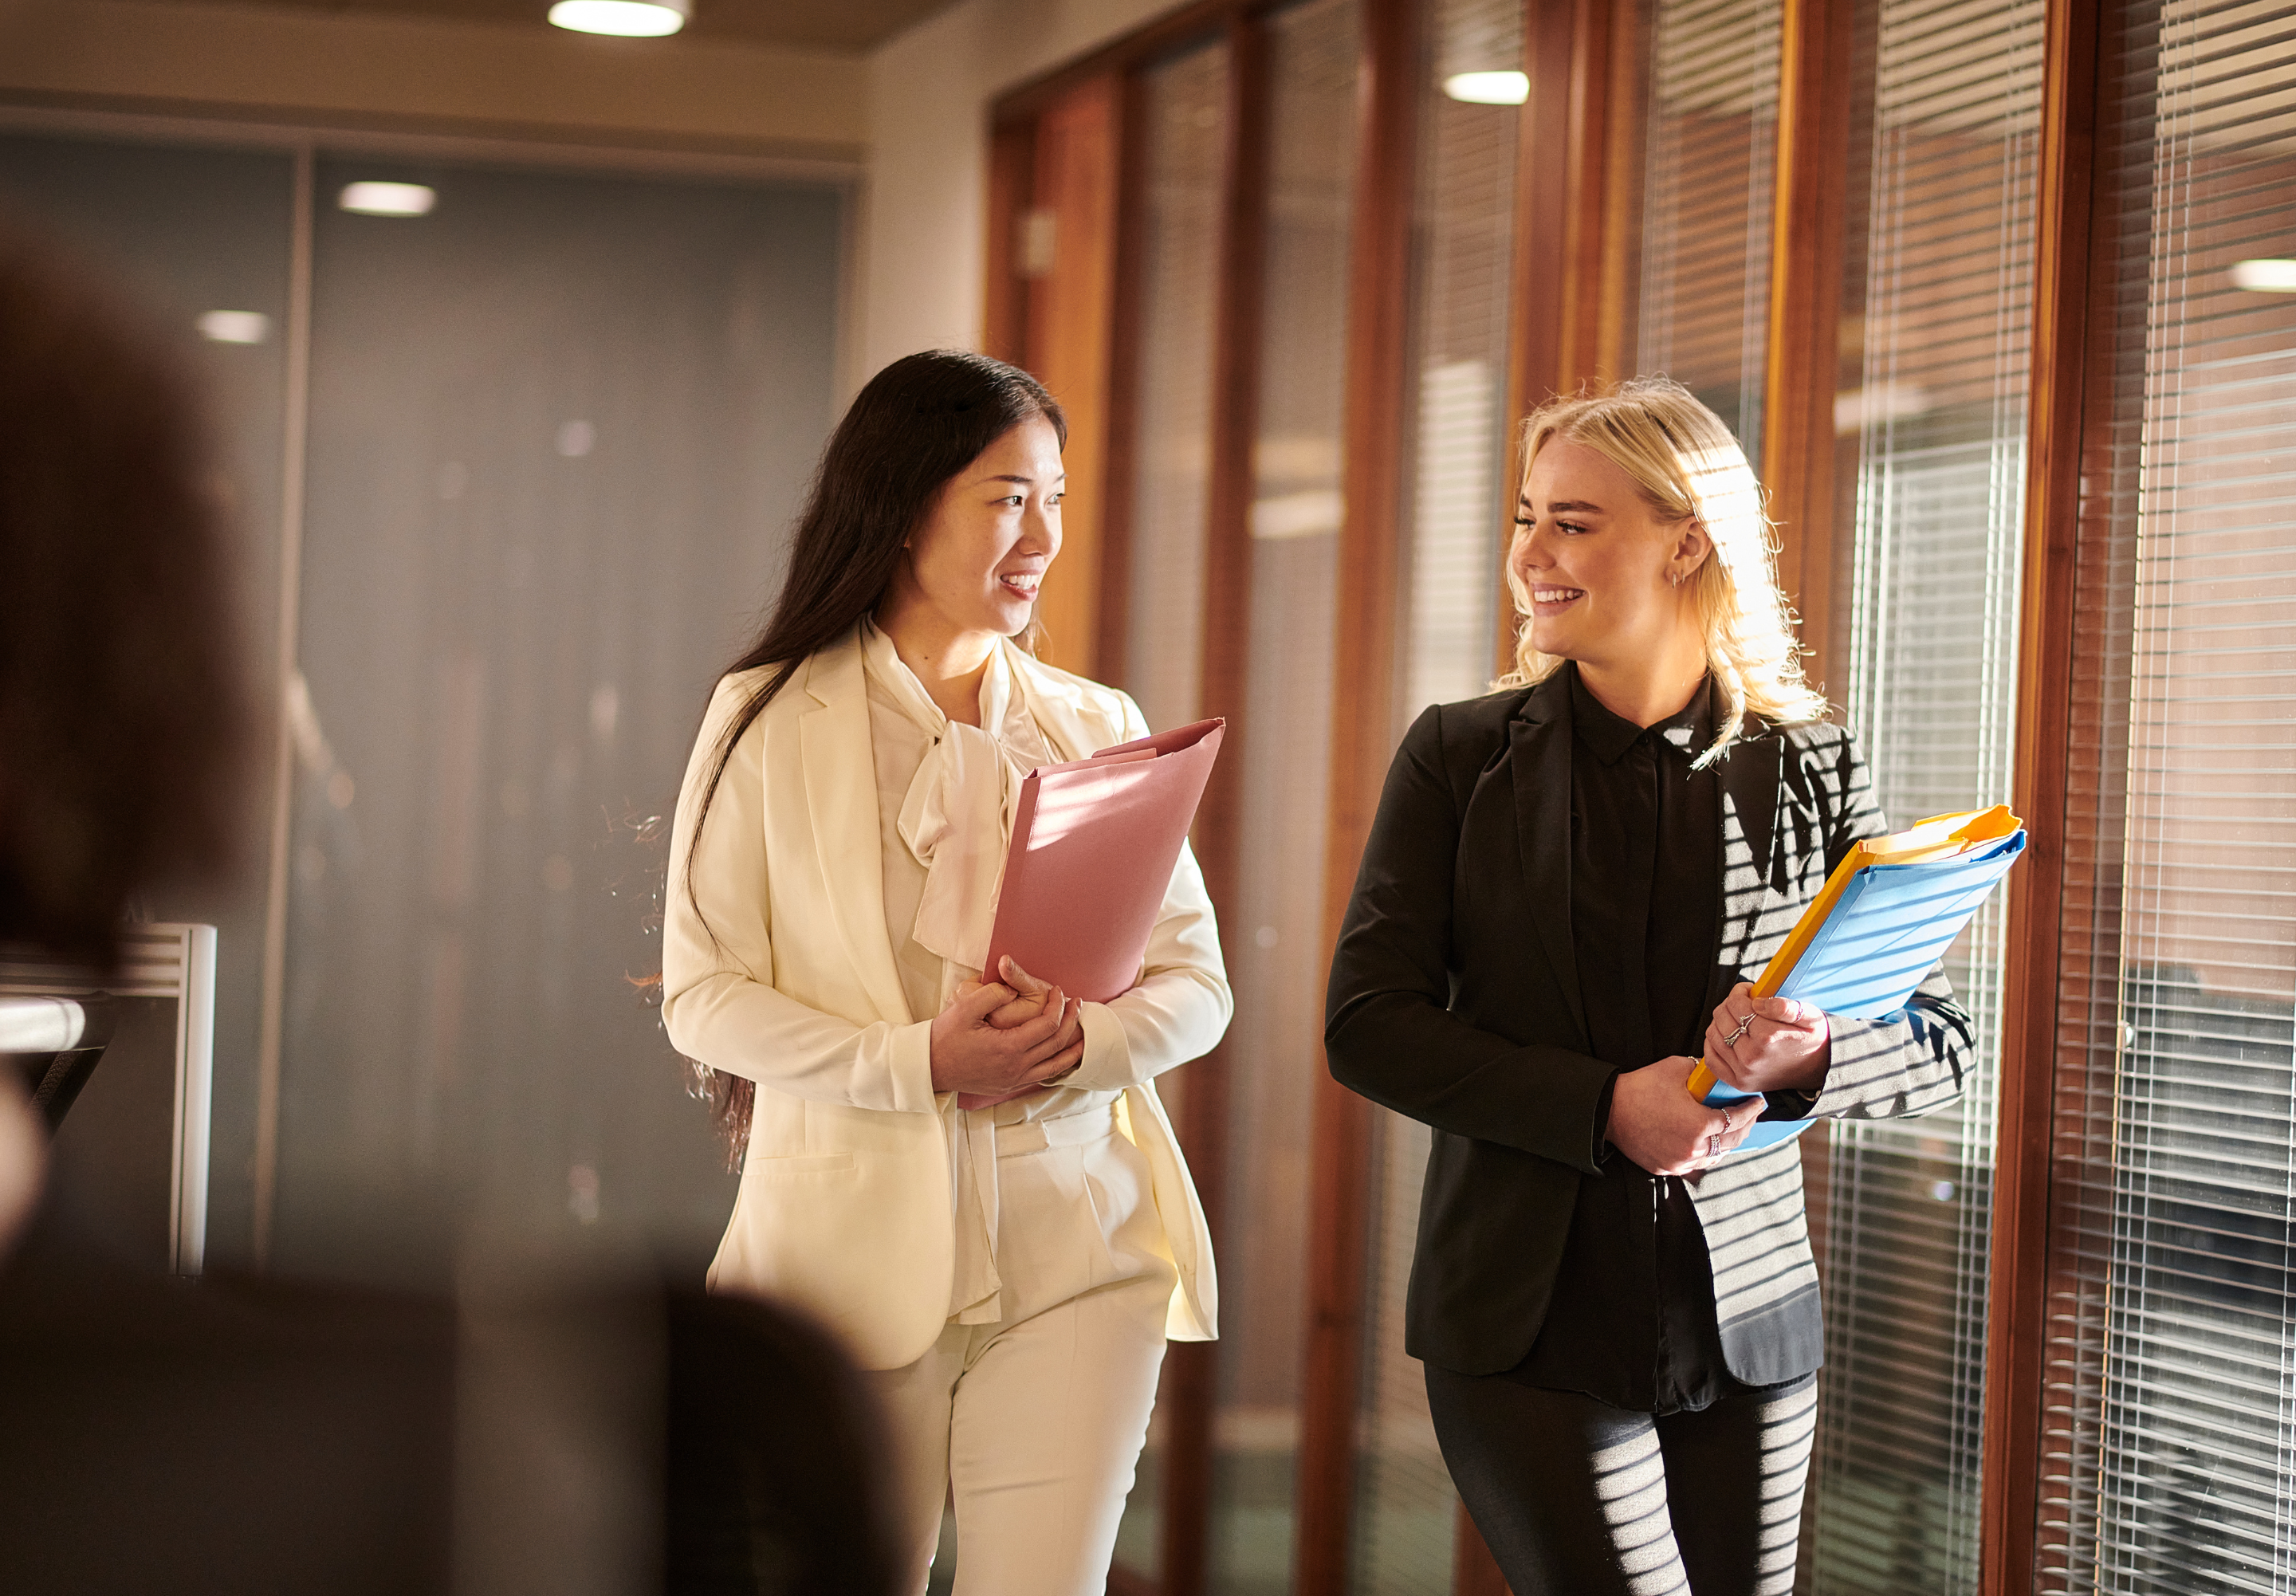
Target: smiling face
1602, 568
975, 562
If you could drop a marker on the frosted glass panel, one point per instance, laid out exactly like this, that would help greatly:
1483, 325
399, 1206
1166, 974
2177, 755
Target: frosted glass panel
2169, 1462
1186, 136
1937, 308
1185, 125
188, 232
1456, 507
1274, 937
1712, 151
558, 428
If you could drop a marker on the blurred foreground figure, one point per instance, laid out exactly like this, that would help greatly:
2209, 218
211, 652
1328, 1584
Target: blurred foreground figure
567, 1433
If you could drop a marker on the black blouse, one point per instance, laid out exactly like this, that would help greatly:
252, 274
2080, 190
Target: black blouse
1632, 1318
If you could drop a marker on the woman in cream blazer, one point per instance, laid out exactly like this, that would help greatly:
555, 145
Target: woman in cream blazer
975, 1185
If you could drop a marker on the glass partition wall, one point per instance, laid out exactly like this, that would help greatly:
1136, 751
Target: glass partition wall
191, 233
1937, 264
1183, 125
1934, 399
1273, 930
1680, 159
1457, 507
2169, 1441
1704, 181
556, 428
1709, 155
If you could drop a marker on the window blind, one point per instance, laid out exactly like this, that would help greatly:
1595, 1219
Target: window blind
1273, 937
1456, 506
1710, 153
2171, 1458
1938, 318
1184, 127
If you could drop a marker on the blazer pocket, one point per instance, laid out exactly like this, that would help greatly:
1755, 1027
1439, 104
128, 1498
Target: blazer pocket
808, 1166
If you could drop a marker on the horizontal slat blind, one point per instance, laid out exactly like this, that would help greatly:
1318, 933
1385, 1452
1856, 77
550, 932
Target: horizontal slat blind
1183, 126
1939, 412
1710, 144
1456, 504
2173, 1344
1458, 497
1274, 937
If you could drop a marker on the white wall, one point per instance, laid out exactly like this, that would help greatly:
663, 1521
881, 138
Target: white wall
916, 111
922, 243
424, 72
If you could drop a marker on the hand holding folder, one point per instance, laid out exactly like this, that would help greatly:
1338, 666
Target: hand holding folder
1888, 911
1094, 844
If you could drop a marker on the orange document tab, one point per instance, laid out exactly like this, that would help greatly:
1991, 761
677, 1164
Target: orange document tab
1094, 844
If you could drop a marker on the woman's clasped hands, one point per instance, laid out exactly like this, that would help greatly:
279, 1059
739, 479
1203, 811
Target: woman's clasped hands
1755, 1044
995, 1041
1658, 1125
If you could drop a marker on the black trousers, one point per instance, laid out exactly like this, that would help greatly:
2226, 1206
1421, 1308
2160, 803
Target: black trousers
1578, 1498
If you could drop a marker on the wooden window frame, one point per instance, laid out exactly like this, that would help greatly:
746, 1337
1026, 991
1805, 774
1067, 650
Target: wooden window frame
2068, 418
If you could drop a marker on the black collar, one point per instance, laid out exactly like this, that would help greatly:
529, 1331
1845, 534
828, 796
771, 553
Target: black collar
1609, 736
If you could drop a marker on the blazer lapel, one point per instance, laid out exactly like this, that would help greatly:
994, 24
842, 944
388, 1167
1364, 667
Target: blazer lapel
1061, 708
1751, 835
1539, 761
840, 796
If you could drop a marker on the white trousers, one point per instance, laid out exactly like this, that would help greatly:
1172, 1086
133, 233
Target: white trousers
1034, 1424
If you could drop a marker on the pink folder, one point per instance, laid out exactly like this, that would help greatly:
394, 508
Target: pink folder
1092, 849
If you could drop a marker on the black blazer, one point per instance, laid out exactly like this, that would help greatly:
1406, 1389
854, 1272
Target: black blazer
1454, 999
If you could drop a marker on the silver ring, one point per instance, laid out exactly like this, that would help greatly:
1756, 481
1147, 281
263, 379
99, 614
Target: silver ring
1713, 1147
1738, 1036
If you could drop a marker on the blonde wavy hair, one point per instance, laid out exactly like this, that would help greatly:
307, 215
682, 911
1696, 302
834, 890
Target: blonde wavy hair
1688, 467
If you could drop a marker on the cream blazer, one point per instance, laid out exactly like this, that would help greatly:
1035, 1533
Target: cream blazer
846, 1204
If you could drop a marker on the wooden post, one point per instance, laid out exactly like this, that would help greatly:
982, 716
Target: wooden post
1805, 310
1070, 337
2017, 1321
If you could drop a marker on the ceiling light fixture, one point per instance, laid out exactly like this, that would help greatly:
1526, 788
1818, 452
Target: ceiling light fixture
388, 199
2264, 277
624, 18
235, 326
1488, 88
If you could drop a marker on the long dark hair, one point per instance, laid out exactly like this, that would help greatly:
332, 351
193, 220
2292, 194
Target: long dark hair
918, 423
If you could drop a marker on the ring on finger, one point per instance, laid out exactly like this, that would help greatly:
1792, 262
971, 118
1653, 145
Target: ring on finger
1739, 1035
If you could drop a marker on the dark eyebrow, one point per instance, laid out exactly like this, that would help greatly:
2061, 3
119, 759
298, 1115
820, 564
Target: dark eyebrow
1023, 481
1566, 507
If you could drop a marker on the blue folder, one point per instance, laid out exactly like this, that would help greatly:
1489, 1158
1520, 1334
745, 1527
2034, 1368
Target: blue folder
1891, 923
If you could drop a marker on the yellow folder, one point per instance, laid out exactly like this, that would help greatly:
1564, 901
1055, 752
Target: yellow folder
1940, 837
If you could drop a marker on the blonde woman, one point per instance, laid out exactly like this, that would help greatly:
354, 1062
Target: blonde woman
1568, 884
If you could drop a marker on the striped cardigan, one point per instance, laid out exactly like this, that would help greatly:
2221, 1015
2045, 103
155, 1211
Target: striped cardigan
1454, 999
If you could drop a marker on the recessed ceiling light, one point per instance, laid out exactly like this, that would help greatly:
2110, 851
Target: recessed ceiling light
388, 199
235, 326
626, 19
2264, 277
1488, 88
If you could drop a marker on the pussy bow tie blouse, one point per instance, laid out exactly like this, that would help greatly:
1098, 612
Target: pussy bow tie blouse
946, 797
